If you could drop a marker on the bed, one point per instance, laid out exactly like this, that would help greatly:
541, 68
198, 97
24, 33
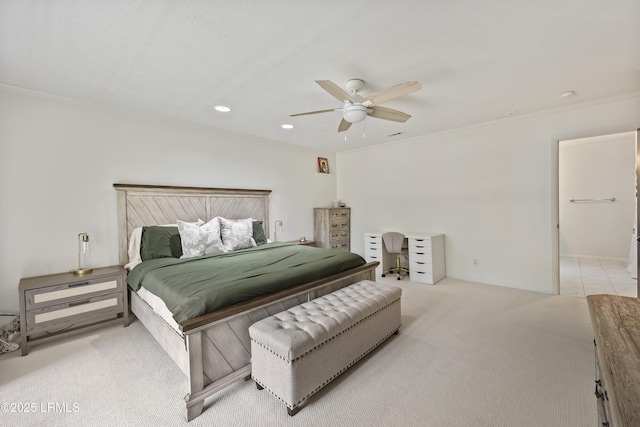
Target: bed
213, 349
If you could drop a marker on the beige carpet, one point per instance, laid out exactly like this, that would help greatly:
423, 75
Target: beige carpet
467, 355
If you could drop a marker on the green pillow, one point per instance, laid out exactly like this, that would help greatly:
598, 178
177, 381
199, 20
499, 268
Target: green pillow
175, 243
156, 242
258, 233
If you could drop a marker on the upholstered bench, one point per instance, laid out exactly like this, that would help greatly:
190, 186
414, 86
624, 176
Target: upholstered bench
297, 352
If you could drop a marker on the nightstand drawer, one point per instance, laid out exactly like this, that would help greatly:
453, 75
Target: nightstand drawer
71, 312
69, 292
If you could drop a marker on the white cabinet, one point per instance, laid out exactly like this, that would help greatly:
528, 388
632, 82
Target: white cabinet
426, 258
425, 251
374, 251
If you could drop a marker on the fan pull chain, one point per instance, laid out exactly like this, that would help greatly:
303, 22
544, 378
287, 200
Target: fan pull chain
364, 129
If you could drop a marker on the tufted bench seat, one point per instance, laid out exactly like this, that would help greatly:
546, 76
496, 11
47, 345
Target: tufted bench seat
297, 352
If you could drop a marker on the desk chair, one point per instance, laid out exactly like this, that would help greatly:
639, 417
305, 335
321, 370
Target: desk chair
393, 244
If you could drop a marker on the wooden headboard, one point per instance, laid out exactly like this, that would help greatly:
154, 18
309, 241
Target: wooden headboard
140, 205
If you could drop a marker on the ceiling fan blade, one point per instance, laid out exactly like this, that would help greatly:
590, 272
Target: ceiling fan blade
392, 92
315, 112
335, 90
385, 113
344, 125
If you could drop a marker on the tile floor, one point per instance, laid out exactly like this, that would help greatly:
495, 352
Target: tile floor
586, 276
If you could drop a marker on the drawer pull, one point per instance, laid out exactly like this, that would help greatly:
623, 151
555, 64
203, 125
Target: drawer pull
73, 304
419, 246
75, 285
419, 262
419, 253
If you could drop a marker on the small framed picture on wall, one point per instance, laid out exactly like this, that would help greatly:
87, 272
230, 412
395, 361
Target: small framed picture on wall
323, 165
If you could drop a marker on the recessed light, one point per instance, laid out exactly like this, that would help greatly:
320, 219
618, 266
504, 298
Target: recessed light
222, 108
287, 126
567, 94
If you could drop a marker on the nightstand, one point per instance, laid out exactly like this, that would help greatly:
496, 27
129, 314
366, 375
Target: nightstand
60, 304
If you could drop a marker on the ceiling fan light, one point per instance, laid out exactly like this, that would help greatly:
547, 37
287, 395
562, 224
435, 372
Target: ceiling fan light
355, 113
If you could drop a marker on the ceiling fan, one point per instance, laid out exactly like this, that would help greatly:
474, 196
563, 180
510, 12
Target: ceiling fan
356, 108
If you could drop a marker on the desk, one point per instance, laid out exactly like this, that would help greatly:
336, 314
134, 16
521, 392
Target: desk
425, 253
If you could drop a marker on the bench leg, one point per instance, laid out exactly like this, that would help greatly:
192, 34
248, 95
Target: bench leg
293, 411
259, 386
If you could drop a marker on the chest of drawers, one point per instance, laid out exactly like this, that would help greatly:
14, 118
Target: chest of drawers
332, 228
63, 303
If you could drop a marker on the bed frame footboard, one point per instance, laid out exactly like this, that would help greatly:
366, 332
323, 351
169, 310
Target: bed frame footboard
214, 350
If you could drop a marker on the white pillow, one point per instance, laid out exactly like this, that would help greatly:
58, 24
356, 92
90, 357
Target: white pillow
200, 240
236, 233
134, 248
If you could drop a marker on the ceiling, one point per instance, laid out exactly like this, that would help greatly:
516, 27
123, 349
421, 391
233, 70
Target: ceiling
476, 60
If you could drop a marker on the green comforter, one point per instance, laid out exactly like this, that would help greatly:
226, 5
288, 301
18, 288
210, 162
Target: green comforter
195, 286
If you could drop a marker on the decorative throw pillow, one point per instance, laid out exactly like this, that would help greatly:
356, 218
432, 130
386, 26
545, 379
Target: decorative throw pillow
236, 233
155, 242
258, 233
200, 240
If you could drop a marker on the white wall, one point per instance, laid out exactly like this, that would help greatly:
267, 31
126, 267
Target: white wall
59, 159
491, 189
597, 168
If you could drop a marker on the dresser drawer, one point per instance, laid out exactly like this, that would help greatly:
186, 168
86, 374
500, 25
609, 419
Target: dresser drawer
338, 235
54, 295
419, 246
67, 314
340, 224
335, 214
341, 246
373, 251
422, 277
420, 267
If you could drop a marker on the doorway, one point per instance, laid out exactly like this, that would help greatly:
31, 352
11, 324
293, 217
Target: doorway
597, 211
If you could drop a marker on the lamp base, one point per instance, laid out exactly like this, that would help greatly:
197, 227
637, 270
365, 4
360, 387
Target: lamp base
81, 271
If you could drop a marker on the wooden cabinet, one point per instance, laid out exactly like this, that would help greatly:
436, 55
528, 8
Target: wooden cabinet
63, 303
615, 322
425, 252
332, 228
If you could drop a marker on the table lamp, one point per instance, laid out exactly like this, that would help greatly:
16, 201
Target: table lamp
83, 255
